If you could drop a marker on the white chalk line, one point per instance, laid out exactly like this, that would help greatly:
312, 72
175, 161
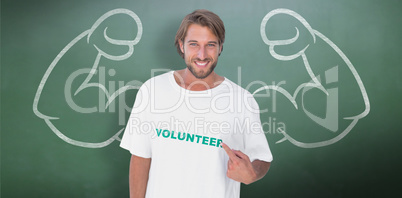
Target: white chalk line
86, 84
316, 83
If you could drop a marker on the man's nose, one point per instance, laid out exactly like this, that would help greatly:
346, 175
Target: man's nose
202, 53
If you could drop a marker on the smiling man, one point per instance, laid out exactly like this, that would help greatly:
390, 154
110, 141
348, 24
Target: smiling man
194, 133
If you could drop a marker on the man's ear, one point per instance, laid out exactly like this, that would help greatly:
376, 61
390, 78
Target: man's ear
221, 49
181, 46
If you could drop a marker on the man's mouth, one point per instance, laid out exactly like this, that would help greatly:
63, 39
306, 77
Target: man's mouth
201, 63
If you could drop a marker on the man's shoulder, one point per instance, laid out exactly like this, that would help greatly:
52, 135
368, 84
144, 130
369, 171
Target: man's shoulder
160, 78
235, 87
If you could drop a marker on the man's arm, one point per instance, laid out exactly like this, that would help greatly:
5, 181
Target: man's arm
139, 172
241, 169
261, 168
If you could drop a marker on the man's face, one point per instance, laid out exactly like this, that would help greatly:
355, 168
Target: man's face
201, 50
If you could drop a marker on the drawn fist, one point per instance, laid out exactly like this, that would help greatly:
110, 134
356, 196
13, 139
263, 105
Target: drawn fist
77, 96
316, 98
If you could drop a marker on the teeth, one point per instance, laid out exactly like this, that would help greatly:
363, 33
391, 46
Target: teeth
201, 64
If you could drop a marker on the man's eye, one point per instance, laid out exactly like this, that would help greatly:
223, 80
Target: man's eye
211, 45
193, 44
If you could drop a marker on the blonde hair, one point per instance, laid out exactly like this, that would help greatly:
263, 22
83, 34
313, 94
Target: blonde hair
203, 18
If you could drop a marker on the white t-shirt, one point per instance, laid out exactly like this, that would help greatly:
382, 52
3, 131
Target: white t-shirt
181, 131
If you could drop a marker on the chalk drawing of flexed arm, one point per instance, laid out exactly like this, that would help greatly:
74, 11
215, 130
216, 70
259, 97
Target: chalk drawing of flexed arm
90, 69
331, 120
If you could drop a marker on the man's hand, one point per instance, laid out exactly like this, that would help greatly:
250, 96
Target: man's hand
139, 173
241, 169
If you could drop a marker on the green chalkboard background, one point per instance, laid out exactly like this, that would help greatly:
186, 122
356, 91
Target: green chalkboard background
324, 155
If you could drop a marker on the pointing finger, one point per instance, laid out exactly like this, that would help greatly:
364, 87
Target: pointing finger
240, 154
229, 151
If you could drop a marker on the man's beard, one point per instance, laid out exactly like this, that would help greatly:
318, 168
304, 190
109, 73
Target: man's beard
202, 74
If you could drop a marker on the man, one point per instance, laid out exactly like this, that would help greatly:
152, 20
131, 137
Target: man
193, 133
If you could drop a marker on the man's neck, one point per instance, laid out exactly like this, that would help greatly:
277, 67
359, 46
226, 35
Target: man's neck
184, 78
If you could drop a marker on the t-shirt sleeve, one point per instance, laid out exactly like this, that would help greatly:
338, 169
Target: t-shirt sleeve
136, 138
255, 141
